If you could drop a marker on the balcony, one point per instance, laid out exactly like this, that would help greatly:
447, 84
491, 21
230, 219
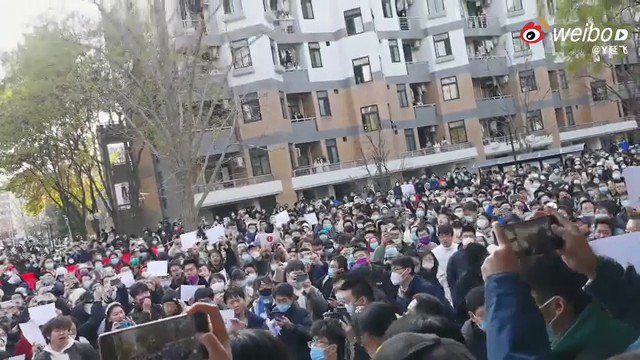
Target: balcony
238, 190
482, 26
496, 106
296, 80
411, 27
220, 141
625, 90
305, 129
418, 71
482, 66
501, 145
426, 115
311, 177
597, 129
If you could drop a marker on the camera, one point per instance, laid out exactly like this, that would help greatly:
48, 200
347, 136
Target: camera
339, 313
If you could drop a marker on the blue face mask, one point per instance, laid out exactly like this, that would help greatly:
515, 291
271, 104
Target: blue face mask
327, 227
331, 273
482, 326
391, 252
317, 353
283, 308
374, 245
414, 237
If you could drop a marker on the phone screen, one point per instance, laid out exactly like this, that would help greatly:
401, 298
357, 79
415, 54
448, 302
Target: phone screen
172, 338
533, 237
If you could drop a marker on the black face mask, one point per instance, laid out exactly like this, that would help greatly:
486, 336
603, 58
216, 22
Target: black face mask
265, 292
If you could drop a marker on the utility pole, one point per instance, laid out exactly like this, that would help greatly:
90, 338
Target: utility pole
513, 148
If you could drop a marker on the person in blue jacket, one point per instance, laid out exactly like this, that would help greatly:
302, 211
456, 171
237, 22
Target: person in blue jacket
516, 329
403, 276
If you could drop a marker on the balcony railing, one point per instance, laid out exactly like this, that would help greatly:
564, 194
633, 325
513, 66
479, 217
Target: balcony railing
436, 149
286, 25
486, 57
418, 105
516, 137
318, 169
595, 123
478, 22
234, 183
303, 119
408, 23
495, 98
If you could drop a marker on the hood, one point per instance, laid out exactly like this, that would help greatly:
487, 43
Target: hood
594, 333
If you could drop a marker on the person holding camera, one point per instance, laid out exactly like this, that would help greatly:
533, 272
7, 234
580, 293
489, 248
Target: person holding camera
294, 322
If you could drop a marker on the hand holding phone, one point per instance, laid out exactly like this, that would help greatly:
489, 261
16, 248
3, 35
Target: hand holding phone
533, 237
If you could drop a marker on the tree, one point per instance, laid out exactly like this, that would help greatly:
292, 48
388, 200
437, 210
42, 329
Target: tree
578, 55
170, 93
48, 109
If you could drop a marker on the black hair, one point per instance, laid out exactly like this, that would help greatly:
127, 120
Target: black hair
468, 228
342, 262
58, 322
294, 265
404, 262
425, 324
359, 287
233, 292
218, 276
475, 254
191, 261
445, 229
428, 305
549, 276
375, 319
607, 221
475, 298
283, 289
334, 332
470, 206
175, 263
257, 344
138, 288
359, 248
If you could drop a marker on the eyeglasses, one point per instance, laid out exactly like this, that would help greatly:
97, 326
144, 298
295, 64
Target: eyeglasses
314, 343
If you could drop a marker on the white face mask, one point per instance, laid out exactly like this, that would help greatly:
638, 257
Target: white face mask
396, 279
217, 287
482, 223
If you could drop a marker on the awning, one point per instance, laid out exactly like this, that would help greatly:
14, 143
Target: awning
534, 155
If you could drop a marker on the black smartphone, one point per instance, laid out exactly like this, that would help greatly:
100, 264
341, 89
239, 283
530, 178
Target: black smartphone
533, 237
173, 338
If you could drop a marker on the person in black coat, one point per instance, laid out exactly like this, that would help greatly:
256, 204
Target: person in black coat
474, 256
473, 332
294, 322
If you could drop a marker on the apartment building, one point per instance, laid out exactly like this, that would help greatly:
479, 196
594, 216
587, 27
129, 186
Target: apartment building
442, 83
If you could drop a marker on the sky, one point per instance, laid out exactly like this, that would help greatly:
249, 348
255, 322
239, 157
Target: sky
18, 17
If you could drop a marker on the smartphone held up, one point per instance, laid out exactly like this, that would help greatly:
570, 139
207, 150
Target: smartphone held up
533, 237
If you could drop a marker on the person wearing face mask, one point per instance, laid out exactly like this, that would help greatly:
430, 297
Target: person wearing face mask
443, 253
144, 309
308, 296
376, 275
328, 340
337, 268
403, 275
191, 273
294, 322
474, 329
429, 268
457, 264
474, 255
262, 305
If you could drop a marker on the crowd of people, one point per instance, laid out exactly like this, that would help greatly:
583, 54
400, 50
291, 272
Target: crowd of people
423, 271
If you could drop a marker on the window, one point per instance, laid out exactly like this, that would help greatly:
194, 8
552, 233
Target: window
241, 54
534, 119
332, 151
227, 5
519, 46
599, 90
316, 57
458, 132
394, 50
402, 95
568, 112
450, 88
370, 118
362, 70
117, 153
514, 5
283, 105
323, 103
353, 20
251, 108
527, 80
307, 9
260, 161
410, 139
562, 75
442, 45
435, 6
387, 9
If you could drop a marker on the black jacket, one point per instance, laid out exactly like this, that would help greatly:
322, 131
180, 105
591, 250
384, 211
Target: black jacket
296, 339
380, 280
475, 339
456, 266
140, 317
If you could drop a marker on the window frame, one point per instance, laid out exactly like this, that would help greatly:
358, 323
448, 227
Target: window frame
448, 87
283, 105
562, 79
457, 136
520, 47
323, 98
394, 51
332, 144
515, 7
308, 5
314, 50
410, 140
536, 116
260, 153
367, 112
434, 11
236, 48
251, 100
352, 15
595, 95
438, 38
403, 96
524, 81
566, 116
387, 9
363, 66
